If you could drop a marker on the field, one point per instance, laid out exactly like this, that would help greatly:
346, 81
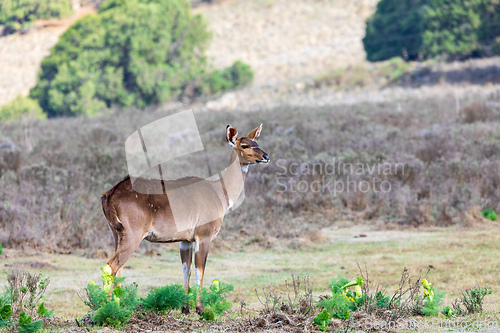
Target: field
454, 258
375, 167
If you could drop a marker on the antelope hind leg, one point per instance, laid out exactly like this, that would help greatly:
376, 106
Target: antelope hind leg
186, 249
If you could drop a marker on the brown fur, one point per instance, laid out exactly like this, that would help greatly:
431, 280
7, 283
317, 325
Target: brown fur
136, 215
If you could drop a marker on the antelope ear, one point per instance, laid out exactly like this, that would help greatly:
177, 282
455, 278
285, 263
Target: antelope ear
254, 135
231, 135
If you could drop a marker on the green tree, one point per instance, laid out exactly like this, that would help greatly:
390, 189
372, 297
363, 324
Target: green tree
413, 29
133, 52
20, 14
395, 30
450, 28
489, 30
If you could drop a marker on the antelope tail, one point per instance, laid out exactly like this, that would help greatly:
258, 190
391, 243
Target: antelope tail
110, 212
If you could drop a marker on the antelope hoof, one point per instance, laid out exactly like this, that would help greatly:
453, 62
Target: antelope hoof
185, 309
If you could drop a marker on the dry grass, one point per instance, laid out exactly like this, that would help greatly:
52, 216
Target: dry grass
454, 259
448, 171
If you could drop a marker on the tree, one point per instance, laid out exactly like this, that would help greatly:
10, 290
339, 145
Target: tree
20, 14
413, 29
132, 52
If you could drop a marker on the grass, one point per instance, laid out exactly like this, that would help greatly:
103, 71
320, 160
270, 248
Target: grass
459, 259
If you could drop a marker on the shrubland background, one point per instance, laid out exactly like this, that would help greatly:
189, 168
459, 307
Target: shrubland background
318, 99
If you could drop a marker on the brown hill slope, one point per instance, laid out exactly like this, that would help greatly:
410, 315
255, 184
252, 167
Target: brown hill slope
288, 39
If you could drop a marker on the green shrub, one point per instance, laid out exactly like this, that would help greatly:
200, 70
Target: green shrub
343, 301
133, 52
471, 300
394, 30
415, 29
20, 14
165, 299
489, 30
115, 310
43, 311
322, 319
21, 107
490, 214
238, 75
26, 325
214, 300
450, 28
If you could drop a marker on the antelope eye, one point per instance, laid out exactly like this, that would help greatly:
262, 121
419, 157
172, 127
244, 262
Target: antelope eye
244, 146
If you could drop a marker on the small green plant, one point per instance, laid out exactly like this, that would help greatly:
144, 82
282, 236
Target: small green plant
1, 249
433, 301
448, 312
381, 300
343, 301
214, 300
43, 311
322, 319
164, 299
471, 300
490, 214
112, 304
25, 324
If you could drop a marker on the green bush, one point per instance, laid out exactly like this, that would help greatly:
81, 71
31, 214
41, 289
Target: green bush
165, 299
25, 324
214, 300
20, 14
238, 75
21, 107
490, 214
450, 28
115, 310
471, 300
343, 301
414, 29
395, 30
132, 52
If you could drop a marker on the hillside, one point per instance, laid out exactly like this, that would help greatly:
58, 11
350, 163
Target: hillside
282, 40
287, 40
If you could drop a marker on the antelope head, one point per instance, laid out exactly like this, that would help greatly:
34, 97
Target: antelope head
246, 147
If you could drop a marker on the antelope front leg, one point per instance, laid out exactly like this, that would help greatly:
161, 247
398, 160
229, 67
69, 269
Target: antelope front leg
186, 258
200, 259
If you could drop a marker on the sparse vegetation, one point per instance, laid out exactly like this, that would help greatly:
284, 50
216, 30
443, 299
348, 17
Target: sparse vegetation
20, 300
443, 171
18, 15
471, 301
